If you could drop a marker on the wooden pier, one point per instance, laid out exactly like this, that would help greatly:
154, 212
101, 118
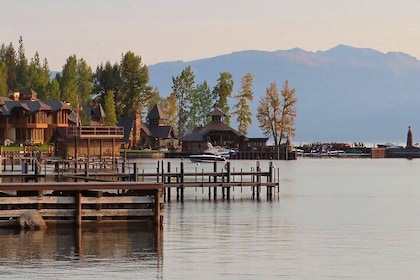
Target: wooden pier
66, 191
76, 203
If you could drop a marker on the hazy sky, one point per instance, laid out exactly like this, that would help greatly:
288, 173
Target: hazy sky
168, 30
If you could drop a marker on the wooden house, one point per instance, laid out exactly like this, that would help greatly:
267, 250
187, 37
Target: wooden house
26, 120
153, 134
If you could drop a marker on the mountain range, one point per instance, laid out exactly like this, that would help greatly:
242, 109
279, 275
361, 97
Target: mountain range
345, 94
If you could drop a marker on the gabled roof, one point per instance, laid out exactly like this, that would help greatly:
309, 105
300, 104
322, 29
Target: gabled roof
127, 124
214, 126
217, 112
156, 114
94, 111
162, 132
57, 105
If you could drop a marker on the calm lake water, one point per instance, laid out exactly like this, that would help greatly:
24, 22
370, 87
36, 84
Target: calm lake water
333, 219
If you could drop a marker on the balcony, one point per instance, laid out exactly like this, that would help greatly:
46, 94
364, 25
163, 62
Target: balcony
95, 132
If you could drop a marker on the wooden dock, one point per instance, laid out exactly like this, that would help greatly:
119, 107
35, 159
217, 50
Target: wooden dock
76, 192
76, 203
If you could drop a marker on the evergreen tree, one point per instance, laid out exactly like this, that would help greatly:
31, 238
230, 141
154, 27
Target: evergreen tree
244, 97
84, 81
22, 80
68, 82
109, 108
75, 82
201, 106
106, 78
221, 92
38, 76
10, 60
3, 79
52, 91
135, 90
183, 86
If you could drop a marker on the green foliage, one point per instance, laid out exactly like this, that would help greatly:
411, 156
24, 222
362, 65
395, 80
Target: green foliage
201, 106
106, 78
3, 79
75, 82
22, 80
38, 77
221, 92
9, 57
68, 81
109, 108
53, 91
242, 109
170, 109
183, 87
135, 90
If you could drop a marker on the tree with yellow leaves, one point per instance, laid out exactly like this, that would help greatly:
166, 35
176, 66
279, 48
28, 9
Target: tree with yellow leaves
276, 114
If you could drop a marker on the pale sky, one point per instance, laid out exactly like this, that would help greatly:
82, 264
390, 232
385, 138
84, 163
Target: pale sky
169, 30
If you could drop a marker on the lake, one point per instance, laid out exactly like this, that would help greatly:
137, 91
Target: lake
333, 219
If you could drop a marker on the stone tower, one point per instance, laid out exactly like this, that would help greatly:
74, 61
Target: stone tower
409, 138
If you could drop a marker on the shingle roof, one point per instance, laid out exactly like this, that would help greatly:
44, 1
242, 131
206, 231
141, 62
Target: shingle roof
57, 105
162, 132
214, 126
127, 124
156, 113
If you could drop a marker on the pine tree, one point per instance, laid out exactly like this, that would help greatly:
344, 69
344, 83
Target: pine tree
109, 108
242, 109
183, 86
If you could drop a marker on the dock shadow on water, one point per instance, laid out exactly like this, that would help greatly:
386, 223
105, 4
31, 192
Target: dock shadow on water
77, 250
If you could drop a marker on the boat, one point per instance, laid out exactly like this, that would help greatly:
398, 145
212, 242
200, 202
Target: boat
224, 152
207, 157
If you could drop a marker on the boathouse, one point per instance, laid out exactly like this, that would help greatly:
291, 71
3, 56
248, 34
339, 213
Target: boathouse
88, 142
216, 132
220, 134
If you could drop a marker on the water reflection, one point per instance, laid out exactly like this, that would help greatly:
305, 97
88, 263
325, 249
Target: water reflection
63, 243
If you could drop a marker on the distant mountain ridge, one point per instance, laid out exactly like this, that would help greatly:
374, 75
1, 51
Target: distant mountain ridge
344, 93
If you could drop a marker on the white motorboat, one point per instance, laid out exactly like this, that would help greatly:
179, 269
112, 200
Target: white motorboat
207, 157
218, 151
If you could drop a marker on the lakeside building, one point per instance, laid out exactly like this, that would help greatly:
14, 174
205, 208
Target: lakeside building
26, 120
220, 134
153, 134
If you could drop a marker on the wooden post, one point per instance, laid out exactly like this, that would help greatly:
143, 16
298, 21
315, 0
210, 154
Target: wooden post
86, 171
135, 175
270, 179
99, 194
182, 181
158, 215
258, 180
228, 179
169, 181
215, 181
78, 206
